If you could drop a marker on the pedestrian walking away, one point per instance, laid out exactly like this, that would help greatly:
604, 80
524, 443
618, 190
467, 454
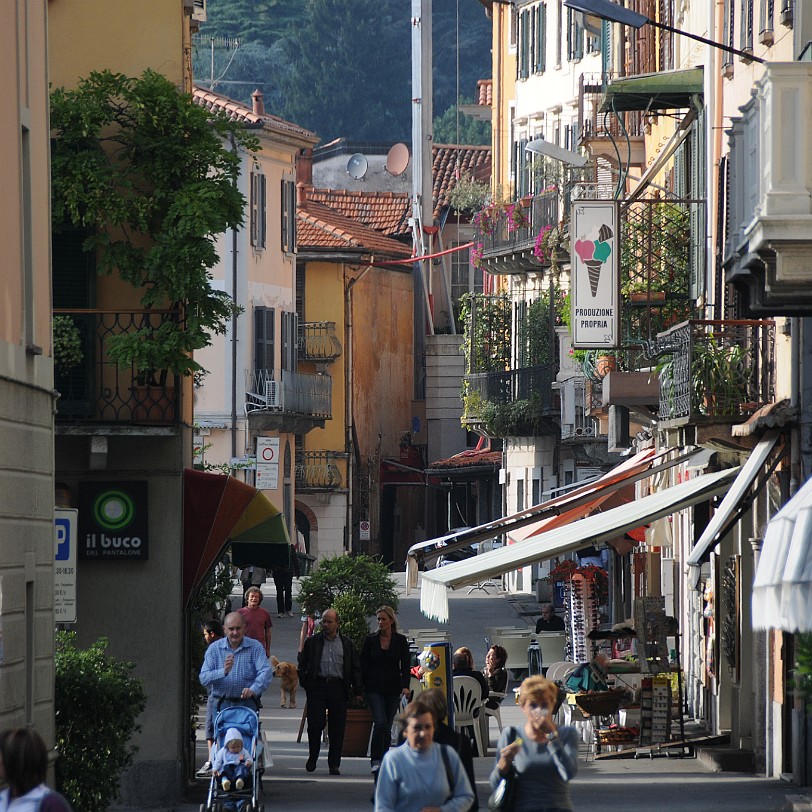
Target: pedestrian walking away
283, 580
385, 664
236, 666
421, 775
329, 668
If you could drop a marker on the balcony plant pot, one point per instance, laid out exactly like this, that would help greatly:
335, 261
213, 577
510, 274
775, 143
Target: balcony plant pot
153, 399
604, 364
357, 732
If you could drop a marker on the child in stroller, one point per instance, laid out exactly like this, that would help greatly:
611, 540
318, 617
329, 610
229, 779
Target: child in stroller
236, 770
232, 764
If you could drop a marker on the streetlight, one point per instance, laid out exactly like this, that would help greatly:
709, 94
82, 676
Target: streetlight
607, 10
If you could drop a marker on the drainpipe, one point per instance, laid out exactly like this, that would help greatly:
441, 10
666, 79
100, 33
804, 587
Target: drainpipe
234, 333
795, 383
348, 387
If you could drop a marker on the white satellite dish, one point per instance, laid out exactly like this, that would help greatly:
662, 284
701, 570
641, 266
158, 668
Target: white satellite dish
397, 159
357, 166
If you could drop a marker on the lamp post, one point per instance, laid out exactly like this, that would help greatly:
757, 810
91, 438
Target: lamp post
607, 10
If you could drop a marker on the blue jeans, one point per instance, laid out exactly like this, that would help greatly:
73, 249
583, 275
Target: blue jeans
383, 707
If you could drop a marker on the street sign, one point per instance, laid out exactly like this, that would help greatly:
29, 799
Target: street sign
363, 531
267, 477
267, 451
65, 535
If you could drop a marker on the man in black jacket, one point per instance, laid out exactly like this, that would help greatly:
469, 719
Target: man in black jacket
329, 668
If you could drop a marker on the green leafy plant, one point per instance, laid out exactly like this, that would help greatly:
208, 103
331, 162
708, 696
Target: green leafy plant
802, 676
469, 194
67, 346
98, 703
152, 177
720, 376
352, 613
367, 577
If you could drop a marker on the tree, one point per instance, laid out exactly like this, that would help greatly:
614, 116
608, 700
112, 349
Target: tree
349, 72
149, 174
451, 129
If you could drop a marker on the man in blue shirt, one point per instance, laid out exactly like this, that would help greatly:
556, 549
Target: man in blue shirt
236, 666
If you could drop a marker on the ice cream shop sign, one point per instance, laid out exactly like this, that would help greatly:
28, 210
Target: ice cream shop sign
595, 278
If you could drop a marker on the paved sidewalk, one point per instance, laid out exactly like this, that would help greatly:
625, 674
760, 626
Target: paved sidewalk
631, 785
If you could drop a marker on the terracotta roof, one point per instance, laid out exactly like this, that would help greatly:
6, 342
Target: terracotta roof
322, 228
451, 162
485, 92
237, 111
386, 212
468, 459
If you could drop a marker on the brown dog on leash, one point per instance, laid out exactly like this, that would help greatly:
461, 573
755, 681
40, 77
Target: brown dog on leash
288, 677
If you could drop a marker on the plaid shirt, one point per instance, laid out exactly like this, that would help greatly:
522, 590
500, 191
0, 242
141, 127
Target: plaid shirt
250, 668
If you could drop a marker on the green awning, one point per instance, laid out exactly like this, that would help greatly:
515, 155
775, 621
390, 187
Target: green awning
666, 90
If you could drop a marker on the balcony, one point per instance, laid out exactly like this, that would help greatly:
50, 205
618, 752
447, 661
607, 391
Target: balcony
96, 390
601, 132
318, 342
576, 408
516, 403
283, 400
319, 471
770, 203
507, 241
716, 371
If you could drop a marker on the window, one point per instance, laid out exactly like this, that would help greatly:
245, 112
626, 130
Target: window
540, 37
765, 21
523, 62
288, 216
575, 37
465, 278
558, 29
746, 32
519, 495
290, 329
727, 36
514, 26
257, 209
264, 334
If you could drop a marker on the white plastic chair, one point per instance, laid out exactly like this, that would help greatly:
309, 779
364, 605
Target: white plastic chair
553, 649
416, 687
495, 712
557, 672
468, 706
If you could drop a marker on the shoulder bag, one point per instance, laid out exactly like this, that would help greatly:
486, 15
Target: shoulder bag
501, 799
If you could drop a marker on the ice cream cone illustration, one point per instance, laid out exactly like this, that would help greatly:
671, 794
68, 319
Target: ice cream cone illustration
594, 266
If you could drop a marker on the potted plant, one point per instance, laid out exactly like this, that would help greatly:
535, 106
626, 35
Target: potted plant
354, 586
67, 344
720, 376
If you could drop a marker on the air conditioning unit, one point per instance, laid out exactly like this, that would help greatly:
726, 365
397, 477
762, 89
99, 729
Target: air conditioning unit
273, 395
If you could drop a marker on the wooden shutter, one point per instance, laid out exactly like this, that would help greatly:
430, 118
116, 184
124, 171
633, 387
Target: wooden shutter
696, 191
264, 335
288, 194
290, 327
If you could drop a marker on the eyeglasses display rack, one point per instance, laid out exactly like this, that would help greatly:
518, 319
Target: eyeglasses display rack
581, 616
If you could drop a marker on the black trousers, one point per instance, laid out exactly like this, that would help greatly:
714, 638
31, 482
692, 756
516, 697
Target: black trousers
326, 704
284, 586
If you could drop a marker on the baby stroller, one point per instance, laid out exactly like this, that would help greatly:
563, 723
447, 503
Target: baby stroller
246, 720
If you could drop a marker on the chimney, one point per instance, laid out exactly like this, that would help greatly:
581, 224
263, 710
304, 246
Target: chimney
258, 102
301, 193
304, 166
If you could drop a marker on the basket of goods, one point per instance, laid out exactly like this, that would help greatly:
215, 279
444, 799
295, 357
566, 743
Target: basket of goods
619, 735
600, 703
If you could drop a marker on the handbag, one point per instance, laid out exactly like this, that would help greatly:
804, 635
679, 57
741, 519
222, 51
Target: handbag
501, 799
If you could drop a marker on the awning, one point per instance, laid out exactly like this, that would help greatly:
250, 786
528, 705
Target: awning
782, 588
734, 498
598, 528
220, 509
665, 90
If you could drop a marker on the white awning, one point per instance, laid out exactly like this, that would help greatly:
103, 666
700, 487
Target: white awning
733, 498
782, 588
581, 533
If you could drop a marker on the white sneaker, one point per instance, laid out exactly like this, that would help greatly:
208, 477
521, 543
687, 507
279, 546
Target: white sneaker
226, 785
289, 614
280, 615
205, 769
239, 783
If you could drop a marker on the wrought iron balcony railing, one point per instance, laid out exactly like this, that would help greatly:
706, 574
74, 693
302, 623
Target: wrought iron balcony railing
576, 422
596, 124
319, 471
716, 369
513, 229
318, 341
96, 389
287, 392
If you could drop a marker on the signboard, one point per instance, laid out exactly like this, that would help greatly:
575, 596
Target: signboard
363, 530
267, 477
595, 292
65, 529
113, 520
267, 463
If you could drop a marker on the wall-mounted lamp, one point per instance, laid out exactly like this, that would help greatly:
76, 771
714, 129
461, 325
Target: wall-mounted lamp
607, 10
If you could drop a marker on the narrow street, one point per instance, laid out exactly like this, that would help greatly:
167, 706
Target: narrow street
628, 785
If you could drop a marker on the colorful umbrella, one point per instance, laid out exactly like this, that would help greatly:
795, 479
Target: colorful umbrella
219, 509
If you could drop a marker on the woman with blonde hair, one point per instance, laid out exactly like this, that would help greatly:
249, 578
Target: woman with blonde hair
541, 757
385, 664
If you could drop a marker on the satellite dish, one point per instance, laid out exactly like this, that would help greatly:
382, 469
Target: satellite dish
357, 166
397, 159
